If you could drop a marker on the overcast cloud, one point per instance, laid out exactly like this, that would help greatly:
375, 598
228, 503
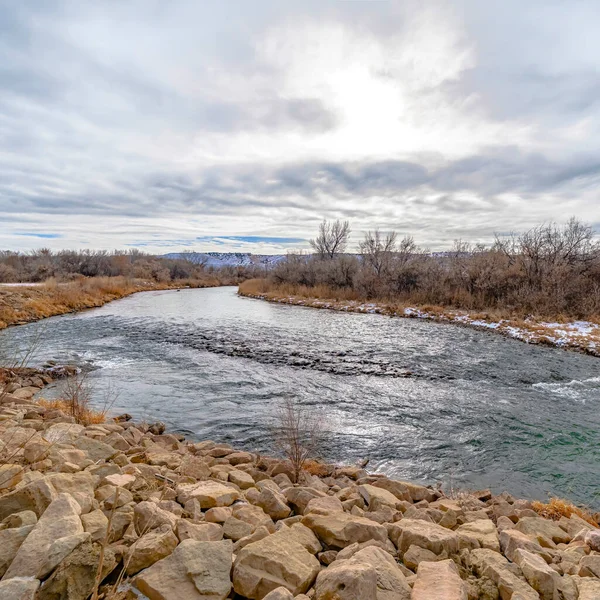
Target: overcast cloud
236, 125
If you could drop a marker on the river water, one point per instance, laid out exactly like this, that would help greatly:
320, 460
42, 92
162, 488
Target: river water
477, 411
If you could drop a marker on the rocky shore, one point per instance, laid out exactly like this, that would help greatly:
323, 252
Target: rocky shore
127, 510
580, 336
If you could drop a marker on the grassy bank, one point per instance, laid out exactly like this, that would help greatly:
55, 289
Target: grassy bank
24, 304
561, 332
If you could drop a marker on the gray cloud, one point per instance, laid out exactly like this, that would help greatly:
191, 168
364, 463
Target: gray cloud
138, 120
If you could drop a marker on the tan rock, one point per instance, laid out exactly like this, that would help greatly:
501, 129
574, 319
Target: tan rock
235, 529
511, 540
96, 450
589, 589
539, 528
339, 530
479, 534
416, 555
589, 566
193, 466
10, 542
200, 532
391, 583
274, 504
323, 506
150, 548
19, 588
273, 562
10, 476
375, 496
63, 433
194, 570
79, 485
433, 537
439, 580
219, 514
490, 564
35, 496
592, 539
147, 516
118, 480
20, 519
398, 488
95, 523
537, 572
280, 593
299, 497
346, 581
58, 532
301, 534
74, 577
239, 458
208, 493
243, 480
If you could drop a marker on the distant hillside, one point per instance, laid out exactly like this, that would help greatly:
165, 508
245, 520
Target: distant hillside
227, 259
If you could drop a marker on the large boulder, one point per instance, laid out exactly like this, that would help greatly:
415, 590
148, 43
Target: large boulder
375, 496
150, 548
439, 580
58, 532
493, 566
481, 533
338, 530
147, 516
10, 542
19, 588
539, 575
274, 504
511, 540
346, 581
408, 532
75, 576
208, 493
35, 496
391, 583
272, 562
194, 570
543, 529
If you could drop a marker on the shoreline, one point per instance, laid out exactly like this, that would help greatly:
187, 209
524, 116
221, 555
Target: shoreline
29, 303
578, 336
136, 503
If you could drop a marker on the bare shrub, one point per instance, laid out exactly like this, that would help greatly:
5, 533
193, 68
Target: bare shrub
298, 433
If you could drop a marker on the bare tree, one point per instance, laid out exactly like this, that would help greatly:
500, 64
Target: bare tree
377, 251
298, 433
332, 239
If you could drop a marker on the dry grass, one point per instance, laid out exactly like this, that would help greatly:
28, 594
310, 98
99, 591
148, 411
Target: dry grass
314, 467
557, 508
88, 416
25, 304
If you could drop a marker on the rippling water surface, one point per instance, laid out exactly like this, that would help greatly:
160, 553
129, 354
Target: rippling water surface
477, 411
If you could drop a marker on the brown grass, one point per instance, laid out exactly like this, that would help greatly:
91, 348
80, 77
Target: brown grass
25, 304
557, 508
314, 467
88, 416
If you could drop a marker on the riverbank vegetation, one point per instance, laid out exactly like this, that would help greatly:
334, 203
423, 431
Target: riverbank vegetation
24, 304
550, 271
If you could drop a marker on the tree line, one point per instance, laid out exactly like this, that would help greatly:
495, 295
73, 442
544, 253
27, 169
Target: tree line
548, 270
66, 265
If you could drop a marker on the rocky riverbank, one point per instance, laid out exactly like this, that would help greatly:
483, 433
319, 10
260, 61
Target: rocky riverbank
133, 511
580, 336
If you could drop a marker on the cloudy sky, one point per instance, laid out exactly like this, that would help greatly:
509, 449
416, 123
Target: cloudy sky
238, 125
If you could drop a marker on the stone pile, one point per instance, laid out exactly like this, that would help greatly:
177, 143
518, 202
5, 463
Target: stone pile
176, 520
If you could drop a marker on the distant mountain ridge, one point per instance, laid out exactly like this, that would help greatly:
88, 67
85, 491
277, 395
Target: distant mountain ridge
227, 259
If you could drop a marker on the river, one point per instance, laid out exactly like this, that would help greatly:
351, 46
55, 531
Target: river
477, 411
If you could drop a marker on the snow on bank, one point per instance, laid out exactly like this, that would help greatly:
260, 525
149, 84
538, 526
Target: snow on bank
583, 336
